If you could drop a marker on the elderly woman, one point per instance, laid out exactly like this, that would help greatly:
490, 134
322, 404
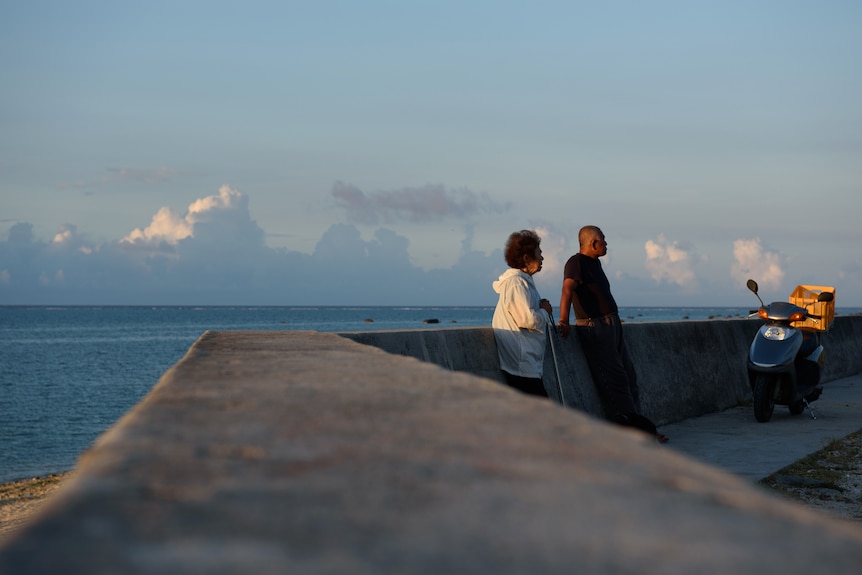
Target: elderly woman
521, 317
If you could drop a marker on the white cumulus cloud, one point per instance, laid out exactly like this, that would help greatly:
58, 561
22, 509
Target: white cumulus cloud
167, 225
670, 262
68, 238
755, 261
65, 235
171, 227
202, 210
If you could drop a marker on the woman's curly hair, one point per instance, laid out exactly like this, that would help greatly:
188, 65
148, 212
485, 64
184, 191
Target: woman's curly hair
520, 244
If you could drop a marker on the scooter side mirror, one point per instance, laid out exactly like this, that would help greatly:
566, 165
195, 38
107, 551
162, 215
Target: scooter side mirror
752, 285
826, 296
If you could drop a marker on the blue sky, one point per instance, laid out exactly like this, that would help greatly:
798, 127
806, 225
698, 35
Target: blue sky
340, 153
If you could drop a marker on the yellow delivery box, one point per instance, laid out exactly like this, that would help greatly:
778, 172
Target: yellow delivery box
806, 296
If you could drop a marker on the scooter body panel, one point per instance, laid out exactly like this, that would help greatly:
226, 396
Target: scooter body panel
769, 354
797, 375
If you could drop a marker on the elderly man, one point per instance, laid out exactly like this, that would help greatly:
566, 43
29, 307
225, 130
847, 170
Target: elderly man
597, 321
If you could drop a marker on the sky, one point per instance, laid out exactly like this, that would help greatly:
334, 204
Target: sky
381, 152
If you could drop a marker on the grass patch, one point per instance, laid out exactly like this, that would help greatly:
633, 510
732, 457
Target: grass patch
824, 470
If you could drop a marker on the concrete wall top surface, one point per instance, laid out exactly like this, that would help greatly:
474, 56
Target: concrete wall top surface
277, 452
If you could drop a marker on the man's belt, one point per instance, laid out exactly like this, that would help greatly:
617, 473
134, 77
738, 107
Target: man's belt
591, 321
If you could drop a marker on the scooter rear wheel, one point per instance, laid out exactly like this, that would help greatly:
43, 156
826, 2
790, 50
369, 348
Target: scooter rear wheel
764, 397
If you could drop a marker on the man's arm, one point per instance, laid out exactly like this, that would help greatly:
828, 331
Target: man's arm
566, 305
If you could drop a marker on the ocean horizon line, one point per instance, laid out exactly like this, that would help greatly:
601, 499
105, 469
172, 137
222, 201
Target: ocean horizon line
855, 309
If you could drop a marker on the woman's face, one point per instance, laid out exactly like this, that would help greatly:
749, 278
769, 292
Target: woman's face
533, 264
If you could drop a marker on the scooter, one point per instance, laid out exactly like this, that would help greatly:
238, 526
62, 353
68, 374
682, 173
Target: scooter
784, 361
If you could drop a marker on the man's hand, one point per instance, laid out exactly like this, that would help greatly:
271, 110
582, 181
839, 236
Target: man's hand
564, 328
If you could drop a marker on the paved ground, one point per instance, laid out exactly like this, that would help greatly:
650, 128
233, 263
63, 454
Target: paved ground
734, 441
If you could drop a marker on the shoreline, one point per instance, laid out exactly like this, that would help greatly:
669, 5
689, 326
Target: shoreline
19, 500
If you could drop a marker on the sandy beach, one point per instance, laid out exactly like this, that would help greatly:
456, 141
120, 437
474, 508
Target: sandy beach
19, 500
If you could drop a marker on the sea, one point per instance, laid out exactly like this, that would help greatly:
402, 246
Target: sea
68, 373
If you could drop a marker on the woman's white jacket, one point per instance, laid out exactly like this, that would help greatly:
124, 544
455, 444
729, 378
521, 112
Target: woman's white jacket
519, 324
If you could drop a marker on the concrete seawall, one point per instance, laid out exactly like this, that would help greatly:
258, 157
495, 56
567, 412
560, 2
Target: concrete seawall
305, 452
685, 369
302, 452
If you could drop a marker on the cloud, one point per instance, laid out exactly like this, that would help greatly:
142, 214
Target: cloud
166, 226
219, 215
215, 254
65, 235
21, 232
431, 203
669, 262
753, 260
228, 199
556, 251
68, 237
124, 175
141, 176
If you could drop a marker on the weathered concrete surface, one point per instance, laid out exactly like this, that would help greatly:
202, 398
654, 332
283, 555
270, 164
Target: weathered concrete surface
685, 369
733, 440
283, 452
470, 349
843, 343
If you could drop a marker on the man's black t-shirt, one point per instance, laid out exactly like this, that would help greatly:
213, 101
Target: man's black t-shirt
592, 294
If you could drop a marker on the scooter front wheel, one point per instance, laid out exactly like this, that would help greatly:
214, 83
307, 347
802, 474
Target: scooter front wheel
764, 397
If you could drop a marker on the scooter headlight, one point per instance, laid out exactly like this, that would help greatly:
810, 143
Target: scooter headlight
775, 332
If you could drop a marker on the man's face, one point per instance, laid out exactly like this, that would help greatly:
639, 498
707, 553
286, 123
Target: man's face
598, 246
